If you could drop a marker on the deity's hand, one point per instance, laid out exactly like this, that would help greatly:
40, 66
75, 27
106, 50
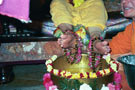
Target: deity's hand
67, 40
94, 32
65, 26
101, 47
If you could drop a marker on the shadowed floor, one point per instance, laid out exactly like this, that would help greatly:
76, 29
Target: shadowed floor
27, 77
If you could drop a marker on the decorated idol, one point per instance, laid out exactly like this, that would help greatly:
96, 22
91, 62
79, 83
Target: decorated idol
79, 24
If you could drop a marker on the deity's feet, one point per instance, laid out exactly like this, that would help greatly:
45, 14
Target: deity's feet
67, 41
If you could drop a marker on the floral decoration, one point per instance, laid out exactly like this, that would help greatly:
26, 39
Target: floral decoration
104, 87
116, 85
85, 87
113, 67
48, 83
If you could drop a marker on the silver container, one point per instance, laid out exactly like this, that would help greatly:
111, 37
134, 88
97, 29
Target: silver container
128, 62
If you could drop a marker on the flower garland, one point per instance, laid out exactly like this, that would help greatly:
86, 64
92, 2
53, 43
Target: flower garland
115, 85
49, 85
80, 35
77, 57
113, 67
97, 56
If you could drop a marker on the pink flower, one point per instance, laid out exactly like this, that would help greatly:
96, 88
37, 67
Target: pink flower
68, 53
48, 85
114, 87
111, 86
47, 82
118, 87
46, 78
117, 77
53, 87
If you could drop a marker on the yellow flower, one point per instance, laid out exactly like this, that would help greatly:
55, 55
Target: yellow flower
93, 75
107, 71
48, 62
85, 75
54, 57
55, 71
107, 58
49, 68
75, 76
68, 74
102, 72
114, 66
62, 73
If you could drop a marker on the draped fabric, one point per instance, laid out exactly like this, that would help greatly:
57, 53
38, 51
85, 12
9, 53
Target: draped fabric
18, 9
90, 13
124, 42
